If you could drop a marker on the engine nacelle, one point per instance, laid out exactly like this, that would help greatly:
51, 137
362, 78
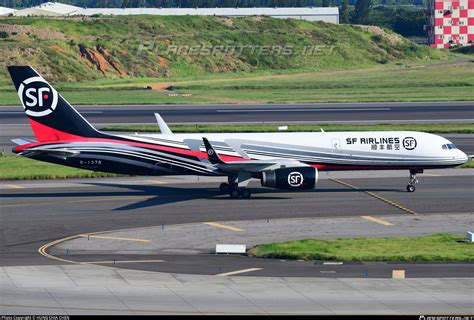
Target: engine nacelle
300, 178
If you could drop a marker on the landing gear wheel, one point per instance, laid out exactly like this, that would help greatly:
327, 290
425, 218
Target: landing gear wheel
234, 193
413, 180
224, 187
245, 193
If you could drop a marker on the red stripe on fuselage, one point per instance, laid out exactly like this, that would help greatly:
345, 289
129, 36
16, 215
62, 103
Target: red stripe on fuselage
47, 135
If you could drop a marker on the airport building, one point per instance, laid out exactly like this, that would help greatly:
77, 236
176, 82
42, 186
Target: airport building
330, 15
451, 23
47, 9
6, 11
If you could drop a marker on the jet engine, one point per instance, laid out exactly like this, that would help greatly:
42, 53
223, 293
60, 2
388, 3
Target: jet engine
301, 178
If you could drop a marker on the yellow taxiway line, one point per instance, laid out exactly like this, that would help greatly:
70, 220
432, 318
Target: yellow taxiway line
42, 249
12, 186
155, 182
379, 221
237, 272
223, 226
72, 201
431, 175
122, 261
394, 204
114, 238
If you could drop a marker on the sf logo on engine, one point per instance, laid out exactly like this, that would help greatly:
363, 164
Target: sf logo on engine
38, 97
295, 179
409, 143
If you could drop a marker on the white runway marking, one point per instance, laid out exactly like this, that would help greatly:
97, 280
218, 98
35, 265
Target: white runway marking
305, 110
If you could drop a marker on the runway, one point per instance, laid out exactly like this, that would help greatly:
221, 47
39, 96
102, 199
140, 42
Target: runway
321, 112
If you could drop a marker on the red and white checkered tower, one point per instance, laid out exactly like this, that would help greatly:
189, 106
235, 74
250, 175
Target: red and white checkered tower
452, 23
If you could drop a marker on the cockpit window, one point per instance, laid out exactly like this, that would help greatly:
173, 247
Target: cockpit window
449, 146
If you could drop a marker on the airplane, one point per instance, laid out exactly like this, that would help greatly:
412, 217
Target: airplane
280, 160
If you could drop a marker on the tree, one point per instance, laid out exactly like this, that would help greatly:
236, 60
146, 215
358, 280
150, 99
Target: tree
344, 15
362, 10
103, 3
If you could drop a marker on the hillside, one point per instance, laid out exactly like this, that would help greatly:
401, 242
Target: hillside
83, 49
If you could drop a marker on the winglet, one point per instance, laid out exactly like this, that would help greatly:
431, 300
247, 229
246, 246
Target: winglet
211, 153
162, 124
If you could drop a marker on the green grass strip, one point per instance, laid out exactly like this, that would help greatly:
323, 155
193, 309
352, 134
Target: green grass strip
21, 168
431, 248
218, 128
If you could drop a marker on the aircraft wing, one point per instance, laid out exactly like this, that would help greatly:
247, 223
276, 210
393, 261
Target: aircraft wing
61, 153
252, 166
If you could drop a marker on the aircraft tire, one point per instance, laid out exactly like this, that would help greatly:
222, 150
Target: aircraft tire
246, 194
234, 193
224, 187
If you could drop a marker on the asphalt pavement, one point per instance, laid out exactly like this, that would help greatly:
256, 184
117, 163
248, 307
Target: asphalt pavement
34, 215
457, 111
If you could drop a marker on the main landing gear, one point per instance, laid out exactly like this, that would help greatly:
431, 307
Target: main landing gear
233, 189
413, 180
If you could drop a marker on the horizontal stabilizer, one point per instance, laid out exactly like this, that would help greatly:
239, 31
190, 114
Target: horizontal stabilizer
61, 153
22, 141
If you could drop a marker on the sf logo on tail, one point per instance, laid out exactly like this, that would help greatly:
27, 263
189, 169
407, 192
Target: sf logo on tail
38, 97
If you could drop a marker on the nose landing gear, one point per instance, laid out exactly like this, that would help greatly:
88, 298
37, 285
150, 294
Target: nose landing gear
411, 184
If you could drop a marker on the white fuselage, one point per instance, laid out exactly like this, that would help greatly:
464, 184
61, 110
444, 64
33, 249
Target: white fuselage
382, 149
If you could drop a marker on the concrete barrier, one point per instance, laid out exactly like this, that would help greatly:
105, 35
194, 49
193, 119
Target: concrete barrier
398, 274
231, 248
470, 236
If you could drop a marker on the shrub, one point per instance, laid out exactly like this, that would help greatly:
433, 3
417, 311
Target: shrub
377, 38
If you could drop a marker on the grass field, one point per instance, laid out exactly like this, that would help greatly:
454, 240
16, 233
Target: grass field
111, 60
431, 248
468, 165
142, 46
419, 82
21, 168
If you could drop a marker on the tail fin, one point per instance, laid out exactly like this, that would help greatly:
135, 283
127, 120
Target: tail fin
50, 115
